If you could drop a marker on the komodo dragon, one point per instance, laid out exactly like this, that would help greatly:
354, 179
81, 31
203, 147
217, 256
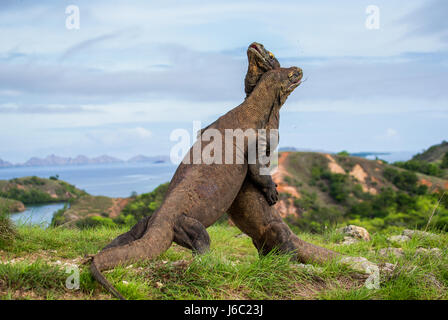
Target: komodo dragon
199, 194
254, 216
250, 212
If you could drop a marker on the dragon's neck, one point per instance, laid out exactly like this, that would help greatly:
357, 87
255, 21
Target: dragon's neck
260, 105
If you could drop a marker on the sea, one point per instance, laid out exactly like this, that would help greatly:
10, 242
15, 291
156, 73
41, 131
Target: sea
112, 180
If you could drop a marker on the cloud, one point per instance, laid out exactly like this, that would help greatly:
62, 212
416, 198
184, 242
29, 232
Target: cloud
193, 75
428, 20
41, 109
161, 62
117, 138
391, 132
86, 44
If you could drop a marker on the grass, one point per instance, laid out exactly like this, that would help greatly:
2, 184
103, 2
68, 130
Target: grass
231, 270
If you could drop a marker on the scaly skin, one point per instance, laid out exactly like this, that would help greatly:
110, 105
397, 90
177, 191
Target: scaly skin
199, 194
250, 211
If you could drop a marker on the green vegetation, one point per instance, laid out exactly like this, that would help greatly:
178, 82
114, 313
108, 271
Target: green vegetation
424, 167
343, 153
332, 199
7, 229
31, 196
142, 206
433, 161
433, 153
11, 206
232, 269
444, 164
35, 190
85, 211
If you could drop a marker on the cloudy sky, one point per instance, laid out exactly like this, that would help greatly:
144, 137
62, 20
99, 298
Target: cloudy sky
136, 70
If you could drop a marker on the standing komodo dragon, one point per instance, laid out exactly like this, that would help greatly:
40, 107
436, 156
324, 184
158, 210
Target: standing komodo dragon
256, 217
199, 194
250, 212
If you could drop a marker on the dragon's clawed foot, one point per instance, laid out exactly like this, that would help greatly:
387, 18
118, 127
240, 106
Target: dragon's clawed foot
271, 194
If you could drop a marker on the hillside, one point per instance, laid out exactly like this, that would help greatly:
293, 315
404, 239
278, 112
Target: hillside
318, 189
10, 205
434, 153
35, 190
88, 211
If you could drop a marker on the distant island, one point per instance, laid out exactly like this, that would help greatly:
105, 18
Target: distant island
54, 160
363, 154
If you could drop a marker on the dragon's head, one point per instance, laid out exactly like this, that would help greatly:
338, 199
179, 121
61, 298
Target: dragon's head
260, 61
284, 80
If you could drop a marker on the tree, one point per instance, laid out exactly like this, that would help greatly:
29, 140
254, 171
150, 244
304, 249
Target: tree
343, 153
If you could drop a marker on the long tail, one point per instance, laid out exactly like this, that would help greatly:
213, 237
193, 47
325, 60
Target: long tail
101, 279
156, 240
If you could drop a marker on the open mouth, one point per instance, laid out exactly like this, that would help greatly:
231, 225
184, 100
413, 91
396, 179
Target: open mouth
254, 46
261, 54
295, 82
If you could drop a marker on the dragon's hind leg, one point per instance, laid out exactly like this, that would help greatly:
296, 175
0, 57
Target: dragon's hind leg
135, 233
191, 234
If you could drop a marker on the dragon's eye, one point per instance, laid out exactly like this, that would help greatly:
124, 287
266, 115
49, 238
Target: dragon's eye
291, 74
271, 55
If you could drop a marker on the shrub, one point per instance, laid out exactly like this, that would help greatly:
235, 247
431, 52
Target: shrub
444, 164
7, 229
94, 221
343, 153
146, 204
405, 180
58, 217
420, 166
27, 196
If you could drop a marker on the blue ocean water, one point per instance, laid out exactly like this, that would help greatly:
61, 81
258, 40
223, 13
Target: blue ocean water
37, 215
114, 180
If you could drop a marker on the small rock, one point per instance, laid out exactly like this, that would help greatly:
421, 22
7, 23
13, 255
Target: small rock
397, 252
241, 235
159, 284
387, 268
125, 282
348, 240
359, 264
418, 233
308, 267
355, 232
399, 238
129, 266
164, 261
179, 263
433, 251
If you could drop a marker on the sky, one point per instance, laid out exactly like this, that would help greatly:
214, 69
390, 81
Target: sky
135, 71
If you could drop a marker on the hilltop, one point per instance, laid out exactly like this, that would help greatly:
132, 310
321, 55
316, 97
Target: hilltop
434, 153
